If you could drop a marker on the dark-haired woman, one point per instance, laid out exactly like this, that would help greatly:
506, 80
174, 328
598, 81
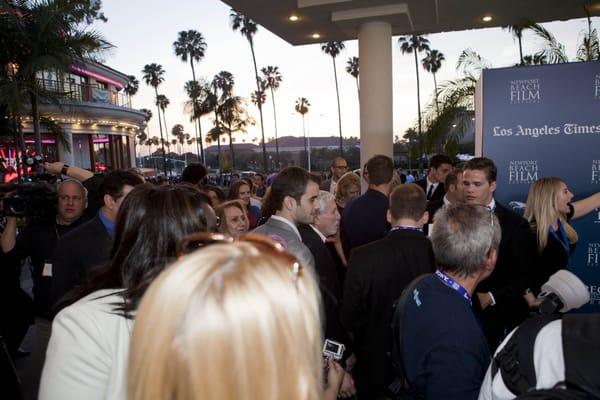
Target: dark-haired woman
241, 190
88, 350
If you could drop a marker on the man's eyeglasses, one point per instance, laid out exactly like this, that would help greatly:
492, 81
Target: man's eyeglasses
344, 167
261, 243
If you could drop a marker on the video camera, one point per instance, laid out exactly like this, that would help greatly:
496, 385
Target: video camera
30, 199
564, 291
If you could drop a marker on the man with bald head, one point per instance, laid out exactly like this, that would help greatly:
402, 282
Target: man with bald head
38, 241
339, 166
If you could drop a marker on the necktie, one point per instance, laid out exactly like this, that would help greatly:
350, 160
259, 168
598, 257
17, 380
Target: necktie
430, 192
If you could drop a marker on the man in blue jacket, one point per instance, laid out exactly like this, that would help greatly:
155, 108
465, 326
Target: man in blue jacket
444, 351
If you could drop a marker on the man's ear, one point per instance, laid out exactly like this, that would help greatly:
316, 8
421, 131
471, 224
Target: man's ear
491, 260
425, 217
493, 186
388, 216
289, 203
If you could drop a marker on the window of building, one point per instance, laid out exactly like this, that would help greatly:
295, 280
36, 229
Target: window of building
102, 152
81, 151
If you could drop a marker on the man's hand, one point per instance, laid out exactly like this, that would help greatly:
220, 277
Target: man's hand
335, 376
484, 299
347, 389
54, 167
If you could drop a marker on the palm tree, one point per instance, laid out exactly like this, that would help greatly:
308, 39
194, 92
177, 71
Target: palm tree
234, 118
248, 29
333, 49
197, 107
154, 75
352, 69
163, 102
553, 51
147, 118
415, 44
432, 63
191, 45
221, 89
178, 133
589, 47
302, 107
272, 79
132, 86
44, 35
517, 31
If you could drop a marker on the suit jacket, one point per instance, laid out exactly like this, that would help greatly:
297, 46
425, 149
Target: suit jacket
326, 184
437, 194
377, 274
329, 284
432, 207
77, 253
508, 281
364, 220
284, 234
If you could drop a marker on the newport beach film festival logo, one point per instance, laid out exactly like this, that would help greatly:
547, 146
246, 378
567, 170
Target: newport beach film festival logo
595, 172
597, 87
525, 91
594, 293
522, 172
593, 255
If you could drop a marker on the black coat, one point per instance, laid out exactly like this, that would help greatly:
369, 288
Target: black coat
77, 253
377, 274
437, 194
510, 278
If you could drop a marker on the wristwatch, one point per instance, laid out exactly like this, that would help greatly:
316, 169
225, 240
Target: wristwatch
64, 169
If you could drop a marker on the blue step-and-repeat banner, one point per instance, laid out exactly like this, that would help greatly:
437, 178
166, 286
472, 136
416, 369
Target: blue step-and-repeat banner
544, 121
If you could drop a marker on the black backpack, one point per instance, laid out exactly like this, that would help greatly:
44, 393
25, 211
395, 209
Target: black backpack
581, 350
400, 388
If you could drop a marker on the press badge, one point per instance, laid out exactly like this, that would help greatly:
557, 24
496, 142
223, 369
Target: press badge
47, 271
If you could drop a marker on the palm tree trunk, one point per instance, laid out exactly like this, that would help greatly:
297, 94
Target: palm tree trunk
520, 50
162, 141
37, 132
419, 110
275, 119
337, 91
199, 131
218, 144
167, 137
358, 89
231, 147
437, 109
305, 144
262, 127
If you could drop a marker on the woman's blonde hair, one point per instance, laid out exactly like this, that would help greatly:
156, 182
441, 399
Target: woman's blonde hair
228, 321
542, 210
342, 189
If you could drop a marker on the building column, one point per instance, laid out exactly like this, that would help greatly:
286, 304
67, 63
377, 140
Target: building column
66, 155
376, 111
132, 150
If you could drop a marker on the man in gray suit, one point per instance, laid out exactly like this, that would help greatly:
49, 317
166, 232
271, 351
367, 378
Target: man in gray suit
293, 197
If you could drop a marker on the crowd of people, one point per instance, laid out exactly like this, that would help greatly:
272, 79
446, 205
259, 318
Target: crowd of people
194, 291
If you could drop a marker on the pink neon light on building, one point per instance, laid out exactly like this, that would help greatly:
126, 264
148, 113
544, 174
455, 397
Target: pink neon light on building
88, 73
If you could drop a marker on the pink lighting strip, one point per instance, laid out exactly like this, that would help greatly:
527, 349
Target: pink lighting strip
88, 73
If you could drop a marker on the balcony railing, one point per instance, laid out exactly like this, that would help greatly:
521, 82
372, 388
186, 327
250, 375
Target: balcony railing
86, 92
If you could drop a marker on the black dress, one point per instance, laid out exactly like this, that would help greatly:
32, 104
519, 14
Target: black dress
552, 258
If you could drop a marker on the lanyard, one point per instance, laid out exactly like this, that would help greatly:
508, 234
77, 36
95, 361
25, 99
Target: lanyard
453, 285
406, 228
563, 239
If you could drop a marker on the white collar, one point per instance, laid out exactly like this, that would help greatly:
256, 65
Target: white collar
287, 221
492, 204
429, 183
323, 238
446, 201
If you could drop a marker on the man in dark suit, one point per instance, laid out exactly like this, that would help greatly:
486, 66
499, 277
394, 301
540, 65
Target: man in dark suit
377, 274
88, 246
339, 166
499, 299
454, 195
433, 184
364, 217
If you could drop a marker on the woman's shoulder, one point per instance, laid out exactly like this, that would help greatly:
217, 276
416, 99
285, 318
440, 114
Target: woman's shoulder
99, 302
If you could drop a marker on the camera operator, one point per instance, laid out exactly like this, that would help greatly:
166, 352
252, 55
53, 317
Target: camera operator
37, 241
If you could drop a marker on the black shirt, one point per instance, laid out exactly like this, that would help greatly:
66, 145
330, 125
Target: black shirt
37, 241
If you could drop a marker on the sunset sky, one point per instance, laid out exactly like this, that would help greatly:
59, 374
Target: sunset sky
143, 32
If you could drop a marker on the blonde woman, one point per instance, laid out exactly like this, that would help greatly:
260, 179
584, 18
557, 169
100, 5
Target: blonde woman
348, 186
549, 210
233, 220
231, 321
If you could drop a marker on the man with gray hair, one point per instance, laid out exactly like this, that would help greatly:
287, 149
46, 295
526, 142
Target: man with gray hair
443, 350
